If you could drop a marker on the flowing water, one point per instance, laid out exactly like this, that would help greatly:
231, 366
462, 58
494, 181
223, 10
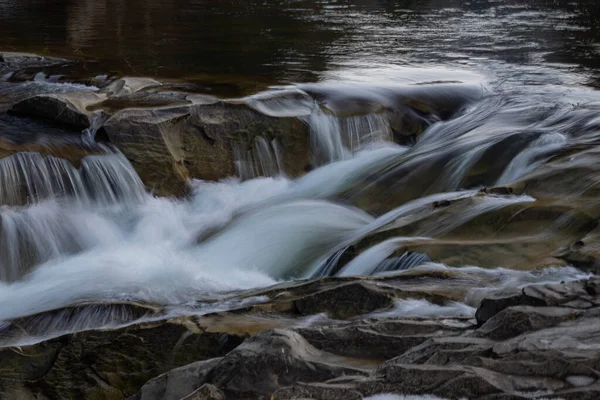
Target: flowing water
512, 85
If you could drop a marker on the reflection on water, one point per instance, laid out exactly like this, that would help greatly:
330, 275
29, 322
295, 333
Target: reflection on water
298, 40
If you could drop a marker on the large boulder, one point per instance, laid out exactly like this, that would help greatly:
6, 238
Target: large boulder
167, 146
171, 137
275, 359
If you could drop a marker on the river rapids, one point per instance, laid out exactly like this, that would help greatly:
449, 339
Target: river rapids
498, 185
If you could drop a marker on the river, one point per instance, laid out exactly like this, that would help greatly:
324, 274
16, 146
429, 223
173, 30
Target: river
523, 74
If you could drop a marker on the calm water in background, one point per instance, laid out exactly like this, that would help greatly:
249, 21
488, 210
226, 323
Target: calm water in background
265, 42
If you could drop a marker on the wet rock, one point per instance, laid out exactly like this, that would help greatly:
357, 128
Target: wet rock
179, 383
169, 145
128, 85
12, 60
584, 253
491, 306
318, 391
103, 364
453, 381
143, 99
345, 301
572, 295
12, 93
550, 347
501, 190
376, 340
206, 392
274, 359
592, 286
446, 351
516, 320
67, 109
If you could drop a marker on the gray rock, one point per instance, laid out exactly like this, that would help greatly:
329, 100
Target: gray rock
206, 392
376, 340
275, 359
15, 60
445, 351
129, 85
346, 300
318, 391
178, 383
107, 364
453, 381
514, 321
68, 109
572, 295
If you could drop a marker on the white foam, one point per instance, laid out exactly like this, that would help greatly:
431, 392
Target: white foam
424, 309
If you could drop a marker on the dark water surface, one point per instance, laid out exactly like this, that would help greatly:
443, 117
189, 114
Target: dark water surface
265, 42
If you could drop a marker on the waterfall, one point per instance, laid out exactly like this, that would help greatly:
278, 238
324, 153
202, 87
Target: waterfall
263, 158
59, 221
30, 178
337, 138
110, 179
333, 137
532, 156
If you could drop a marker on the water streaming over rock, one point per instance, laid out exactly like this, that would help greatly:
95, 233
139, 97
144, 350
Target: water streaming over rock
30, 178
263, 158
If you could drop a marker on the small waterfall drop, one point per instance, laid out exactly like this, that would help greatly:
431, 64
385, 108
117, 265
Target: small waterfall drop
110, 179
263, 158
30, 178
337, 138
333, 137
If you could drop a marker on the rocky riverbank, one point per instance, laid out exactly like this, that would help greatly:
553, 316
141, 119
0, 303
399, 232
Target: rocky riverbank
537, 342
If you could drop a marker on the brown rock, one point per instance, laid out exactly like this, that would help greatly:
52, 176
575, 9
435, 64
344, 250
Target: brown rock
169, 145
